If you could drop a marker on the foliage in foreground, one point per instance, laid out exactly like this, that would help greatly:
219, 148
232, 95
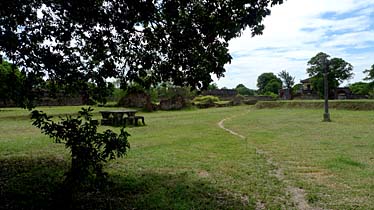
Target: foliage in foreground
89, 149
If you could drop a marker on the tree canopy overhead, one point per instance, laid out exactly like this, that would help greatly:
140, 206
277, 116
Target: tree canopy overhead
146, 41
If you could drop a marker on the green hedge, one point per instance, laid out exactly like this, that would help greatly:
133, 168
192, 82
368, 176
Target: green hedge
318, 104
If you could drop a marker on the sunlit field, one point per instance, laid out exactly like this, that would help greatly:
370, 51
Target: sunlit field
184, 160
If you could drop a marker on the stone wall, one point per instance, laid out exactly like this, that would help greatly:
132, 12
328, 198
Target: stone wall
137, 100
49, 101
221, 93
260, 98
175, 103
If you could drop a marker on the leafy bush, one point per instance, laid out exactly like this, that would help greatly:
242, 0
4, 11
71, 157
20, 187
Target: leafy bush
243, 90
371, 94
168, 91
273, 95
89, 149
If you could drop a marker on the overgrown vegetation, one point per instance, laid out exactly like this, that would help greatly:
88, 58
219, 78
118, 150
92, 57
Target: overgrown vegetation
205, 101
168, 91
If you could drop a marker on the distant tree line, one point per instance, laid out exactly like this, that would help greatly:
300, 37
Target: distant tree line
13, 83
269, 83
338, 69
10, 81
365, 88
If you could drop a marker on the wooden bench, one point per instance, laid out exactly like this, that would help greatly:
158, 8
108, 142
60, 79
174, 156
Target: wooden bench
133, 120
115, 117
137, 118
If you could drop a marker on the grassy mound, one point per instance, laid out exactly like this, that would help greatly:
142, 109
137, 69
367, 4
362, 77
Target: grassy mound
318, 104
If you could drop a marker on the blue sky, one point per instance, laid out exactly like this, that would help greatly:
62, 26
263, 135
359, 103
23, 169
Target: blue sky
296, 31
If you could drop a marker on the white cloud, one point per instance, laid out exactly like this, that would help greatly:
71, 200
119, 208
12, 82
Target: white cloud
299, 29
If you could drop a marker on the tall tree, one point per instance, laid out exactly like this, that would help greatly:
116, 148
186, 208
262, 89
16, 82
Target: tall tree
143, 41
370, 73
268, 82
338, 71
370, 77
11, 81
287, 79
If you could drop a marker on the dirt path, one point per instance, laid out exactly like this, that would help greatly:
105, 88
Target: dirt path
297, 194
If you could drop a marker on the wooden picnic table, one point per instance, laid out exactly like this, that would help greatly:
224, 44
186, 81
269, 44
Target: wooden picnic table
115, 117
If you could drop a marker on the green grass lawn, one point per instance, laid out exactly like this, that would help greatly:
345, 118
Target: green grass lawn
333, 162
183, 160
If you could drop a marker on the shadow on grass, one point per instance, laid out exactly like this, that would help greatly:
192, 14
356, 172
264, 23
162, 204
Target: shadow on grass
37, 184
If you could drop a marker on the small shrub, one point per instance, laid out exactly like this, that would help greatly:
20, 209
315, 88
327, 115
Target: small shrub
89, 149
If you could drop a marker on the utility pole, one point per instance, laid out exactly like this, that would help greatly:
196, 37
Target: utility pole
326, 115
